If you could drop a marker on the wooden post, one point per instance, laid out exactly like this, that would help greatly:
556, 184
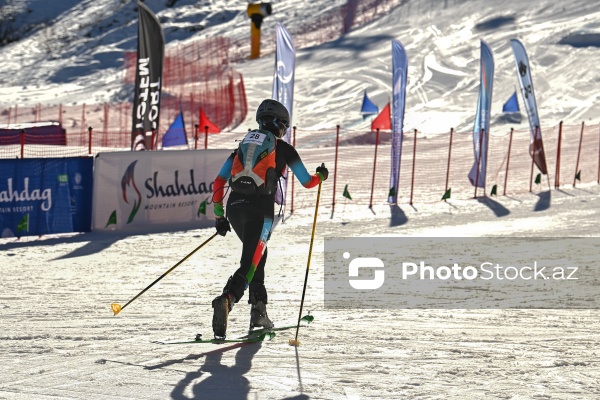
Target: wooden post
205, 137
337, 145
90, 140
374, 167
558, 145
293, 180
22, 134
507, 161
449, 156
196, 137
578, 153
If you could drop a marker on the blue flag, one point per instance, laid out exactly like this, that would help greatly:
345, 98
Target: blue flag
368, 107
175, 135
511, 105
399, 78
481, 129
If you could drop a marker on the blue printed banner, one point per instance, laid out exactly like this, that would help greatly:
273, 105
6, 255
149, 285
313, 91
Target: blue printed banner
481, 129
42, 196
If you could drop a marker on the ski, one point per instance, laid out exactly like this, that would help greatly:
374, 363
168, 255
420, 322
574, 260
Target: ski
254, 339
258, 335
304, 321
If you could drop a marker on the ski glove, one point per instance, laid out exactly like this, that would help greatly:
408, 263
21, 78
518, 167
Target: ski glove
323, 171
222, 226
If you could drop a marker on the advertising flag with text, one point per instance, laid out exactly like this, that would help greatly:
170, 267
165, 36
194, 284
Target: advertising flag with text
481, 128
536, 146
148, 77
283, 88
399, 78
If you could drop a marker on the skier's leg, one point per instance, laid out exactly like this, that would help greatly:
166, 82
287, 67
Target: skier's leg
253, 229
258, 297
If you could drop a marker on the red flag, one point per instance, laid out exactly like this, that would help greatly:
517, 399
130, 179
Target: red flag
204, 122
383, 120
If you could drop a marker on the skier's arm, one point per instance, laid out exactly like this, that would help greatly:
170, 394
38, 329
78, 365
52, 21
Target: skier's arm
297, 166
219, 185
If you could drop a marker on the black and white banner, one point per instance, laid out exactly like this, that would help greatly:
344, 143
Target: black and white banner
148, 79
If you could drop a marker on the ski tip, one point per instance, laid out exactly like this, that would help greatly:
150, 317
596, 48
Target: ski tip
116, 308
294, 342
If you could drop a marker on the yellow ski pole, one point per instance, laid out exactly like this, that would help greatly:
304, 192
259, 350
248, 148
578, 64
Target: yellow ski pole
296, 342
116, 308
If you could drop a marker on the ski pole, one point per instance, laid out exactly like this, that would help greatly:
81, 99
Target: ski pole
295, 342
116, 308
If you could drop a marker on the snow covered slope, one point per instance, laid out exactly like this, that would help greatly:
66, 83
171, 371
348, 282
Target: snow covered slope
76, 55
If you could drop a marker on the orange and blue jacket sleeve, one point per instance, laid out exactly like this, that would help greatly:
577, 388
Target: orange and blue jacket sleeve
219, 186
297, 166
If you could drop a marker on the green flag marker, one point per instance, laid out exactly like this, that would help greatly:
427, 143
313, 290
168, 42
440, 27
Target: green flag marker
202, 208
24, 224
447, 194
347, 193
112, 220
494, 191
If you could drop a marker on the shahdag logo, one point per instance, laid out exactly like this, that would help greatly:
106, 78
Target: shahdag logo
128, 186
366, 262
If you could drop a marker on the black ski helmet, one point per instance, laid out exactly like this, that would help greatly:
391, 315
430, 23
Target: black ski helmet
273, 108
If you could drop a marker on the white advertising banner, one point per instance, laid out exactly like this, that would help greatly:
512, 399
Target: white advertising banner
149, 188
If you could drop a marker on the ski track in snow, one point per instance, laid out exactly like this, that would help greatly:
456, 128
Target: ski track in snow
60, 340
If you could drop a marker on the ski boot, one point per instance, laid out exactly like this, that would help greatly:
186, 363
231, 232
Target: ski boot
221, 305
259, 317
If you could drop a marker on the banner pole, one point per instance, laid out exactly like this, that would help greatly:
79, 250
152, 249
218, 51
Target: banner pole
412, 180
374, 166
479, 161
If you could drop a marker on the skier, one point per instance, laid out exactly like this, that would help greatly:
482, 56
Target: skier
251, 211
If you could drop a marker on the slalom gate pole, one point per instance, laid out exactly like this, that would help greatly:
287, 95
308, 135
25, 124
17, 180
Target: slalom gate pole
295, 342
116, 308
578, 154
449, 155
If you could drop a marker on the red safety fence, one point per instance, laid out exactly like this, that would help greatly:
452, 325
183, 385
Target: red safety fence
430, 163
201, 68
112, 121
